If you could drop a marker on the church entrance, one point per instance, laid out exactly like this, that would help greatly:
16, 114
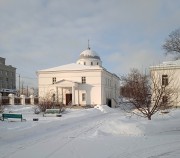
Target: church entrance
68, 99
108, 102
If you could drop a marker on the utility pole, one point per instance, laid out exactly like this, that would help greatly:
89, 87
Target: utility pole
22, 89
27, 92
19, 86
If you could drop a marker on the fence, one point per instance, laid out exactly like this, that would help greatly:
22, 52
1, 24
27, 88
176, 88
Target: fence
5, 100
11, 99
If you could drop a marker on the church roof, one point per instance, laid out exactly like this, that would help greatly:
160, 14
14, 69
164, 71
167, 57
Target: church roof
72, 66
88, 53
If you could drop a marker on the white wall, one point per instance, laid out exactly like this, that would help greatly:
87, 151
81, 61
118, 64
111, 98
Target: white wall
99, 86
92, 88
173, 78
110, 86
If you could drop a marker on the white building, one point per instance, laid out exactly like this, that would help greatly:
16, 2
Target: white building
85, 82
168, 74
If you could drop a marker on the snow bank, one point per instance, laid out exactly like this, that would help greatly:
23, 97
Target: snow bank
105, 131
117, 124
104, 108
19, 108
117, 127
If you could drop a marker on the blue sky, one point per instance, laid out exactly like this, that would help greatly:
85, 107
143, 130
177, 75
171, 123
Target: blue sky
40, 34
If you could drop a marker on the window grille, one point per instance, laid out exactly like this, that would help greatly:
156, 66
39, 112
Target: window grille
53, 80
83, 79
164, 80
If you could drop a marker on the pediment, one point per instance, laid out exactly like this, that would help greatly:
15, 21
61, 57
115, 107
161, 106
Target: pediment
66, 83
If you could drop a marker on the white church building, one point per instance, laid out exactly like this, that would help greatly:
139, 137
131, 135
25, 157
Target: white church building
85, 82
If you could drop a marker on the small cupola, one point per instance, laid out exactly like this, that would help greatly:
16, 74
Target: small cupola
89, 58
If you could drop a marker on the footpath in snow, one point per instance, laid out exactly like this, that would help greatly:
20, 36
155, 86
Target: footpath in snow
99, 132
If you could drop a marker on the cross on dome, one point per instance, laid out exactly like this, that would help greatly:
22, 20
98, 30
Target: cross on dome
88, 45
89, 57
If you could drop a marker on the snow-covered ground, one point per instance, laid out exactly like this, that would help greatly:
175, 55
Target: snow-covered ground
99, 132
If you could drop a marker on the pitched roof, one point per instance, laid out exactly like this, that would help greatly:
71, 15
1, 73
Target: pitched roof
72, 66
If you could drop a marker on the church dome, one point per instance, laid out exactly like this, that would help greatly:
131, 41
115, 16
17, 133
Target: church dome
88, 53
90, 58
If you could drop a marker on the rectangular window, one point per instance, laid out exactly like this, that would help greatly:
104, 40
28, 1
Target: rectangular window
164, 99
53, 80
83, 79
0, 82
164, 80
83, 97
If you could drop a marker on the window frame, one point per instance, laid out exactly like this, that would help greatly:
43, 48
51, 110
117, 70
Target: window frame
83, 79
165, 99
165, 80
53, 80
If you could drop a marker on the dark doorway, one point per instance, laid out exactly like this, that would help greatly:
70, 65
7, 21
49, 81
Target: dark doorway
68, 98
108, 102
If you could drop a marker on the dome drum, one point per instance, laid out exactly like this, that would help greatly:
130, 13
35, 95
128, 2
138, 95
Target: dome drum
85, 57
89, 62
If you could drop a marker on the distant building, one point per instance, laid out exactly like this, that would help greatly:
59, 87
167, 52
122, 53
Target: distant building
85, 82
168, 74
7, 78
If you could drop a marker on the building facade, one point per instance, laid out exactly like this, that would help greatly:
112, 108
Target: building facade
7, 78
85, 82
167, 74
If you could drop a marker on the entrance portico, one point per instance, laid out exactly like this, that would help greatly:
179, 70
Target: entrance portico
65, 92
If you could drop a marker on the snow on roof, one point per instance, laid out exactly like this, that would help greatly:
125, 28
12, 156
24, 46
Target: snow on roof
72, 66
89, 52
175, 63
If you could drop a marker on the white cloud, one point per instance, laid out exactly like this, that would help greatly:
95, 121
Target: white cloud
52, 32
133, 56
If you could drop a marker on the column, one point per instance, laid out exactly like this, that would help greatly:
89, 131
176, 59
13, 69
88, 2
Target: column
11, 99
62, 95
78, 95
73, 95
32, 99
22, 99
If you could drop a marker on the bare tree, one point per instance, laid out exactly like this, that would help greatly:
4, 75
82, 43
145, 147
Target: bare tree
49, 102
144, 95
172, 43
